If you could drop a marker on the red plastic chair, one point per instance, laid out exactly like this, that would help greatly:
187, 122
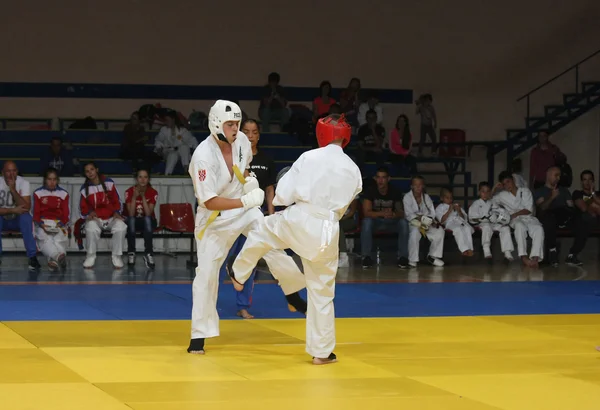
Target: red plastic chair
177, 217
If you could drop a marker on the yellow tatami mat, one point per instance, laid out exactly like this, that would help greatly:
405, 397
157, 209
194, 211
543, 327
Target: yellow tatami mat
456, 363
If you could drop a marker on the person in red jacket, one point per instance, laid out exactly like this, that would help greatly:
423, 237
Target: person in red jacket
51, 215
100, 206
140, 201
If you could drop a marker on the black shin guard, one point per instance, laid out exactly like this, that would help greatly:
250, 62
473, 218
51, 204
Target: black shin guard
196, 345
296, 302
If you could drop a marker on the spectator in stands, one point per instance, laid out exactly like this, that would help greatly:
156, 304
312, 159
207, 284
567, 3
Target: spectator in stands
322, 104
556, 210
453, 217
428, 122
100, 206
51, 216
420, 214
350, 100
383, 210
399, 142
59, 158
273, 105
516, 168
140, 201
347, 223
370, 142
372, 104
519, 203
133, 145
15, 203
543, 156
174, 142
587, 209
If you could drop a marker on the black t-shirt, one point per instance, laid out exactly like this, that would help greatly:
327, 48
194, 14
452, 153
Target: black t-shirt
367, 136
264, 168
391, 200
587, 198
561, 201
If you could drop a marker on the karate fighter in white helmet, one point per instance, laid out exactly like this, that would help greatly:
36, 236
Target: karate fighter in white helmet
317, 190
229, 203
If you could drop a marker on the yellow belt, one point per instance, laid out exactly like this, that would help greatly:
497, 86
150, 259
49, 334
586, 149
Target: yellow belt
214, 214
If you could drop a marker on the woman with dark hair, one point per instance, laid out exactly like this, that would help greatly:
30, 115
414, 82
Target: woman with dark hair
51, 215
100, 206
399, 143
350, 100
323, 102
174, 142
140, 201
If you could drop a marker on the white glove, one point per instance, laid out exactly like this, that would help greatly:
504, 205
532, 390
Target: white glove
253, 198
426, 222
251, 184
415, 222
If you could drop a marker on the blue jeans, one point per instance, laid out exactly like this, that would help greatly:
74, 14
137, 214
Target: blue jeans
370, 225
243, 299
146, 225
22, 223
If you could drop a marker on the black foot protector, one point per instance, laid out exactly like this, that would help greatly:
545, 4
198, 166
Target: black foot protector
296, 303
196, 346
229, 269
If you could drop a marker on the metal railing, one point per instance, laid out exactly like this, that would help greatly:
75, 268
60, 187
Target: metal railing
574, 67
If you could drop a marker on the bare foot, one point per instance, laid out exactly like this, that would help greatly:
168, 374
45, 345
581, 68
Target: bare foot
526, 261
534, 262
244, 314
320, 361
237, 285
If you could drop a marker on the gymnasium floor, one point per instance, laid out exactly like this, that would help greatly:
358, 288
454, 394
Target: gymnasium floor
466, 337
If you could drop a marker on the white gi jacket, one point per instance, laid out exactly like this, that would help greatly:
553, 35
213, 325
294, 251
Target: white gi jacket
515, 203
173, 139
321, 183
454, 220
412, 210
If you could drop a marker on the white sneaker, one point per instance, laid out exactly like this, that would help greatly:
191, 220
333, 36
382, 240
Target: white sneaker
413, 264
52, 265
435, 261
508, 255
117, 261
343, 262
131, 258
89, 262
149, 261
487, 252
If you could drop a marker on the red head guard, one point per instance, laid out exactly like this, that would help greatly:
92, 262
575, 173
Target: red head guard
331, 128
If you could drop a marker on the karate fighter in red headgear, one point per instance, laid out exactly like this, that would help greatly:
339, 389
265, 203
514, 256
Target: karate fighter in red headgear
316, 190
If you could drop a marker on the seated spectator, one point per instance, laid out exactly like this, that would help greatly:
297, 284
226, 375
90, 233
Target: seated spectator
347, 223
383, 210
453, 217
399, 142
428, 122
372, 104
322, 104
174, 142
350, 100
543, 156
587, 208
100, 206
555, 211
519, 203
15, 203
51, 216
140, 201
59, 158
273, 105
133, 145
420, 214
370, 142
516, 168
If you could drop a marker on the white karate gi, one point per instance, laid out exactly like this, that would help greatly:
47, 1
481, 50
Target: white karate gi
52, 245
524, 224
321, 184
175, 144
435, 235
462, 231
211, 178
480, 209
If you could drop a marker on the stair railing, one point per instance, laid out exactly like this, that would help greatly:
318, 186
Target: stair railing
574, 67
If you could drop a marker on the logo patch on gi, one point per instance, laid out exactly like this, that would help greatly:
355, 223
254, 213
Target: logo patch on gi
240, 160
202, 175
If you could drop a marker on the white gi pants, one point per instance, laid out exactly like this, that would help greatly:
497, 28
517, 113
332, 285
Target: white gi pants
51, 245
527, 224
212, 250
463, 235
320, 273
488, 229
94, 228
171, 155
435, 236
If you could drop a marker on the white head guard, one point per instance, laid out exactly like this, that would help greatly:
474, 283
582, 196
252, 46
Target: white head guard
221, 112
